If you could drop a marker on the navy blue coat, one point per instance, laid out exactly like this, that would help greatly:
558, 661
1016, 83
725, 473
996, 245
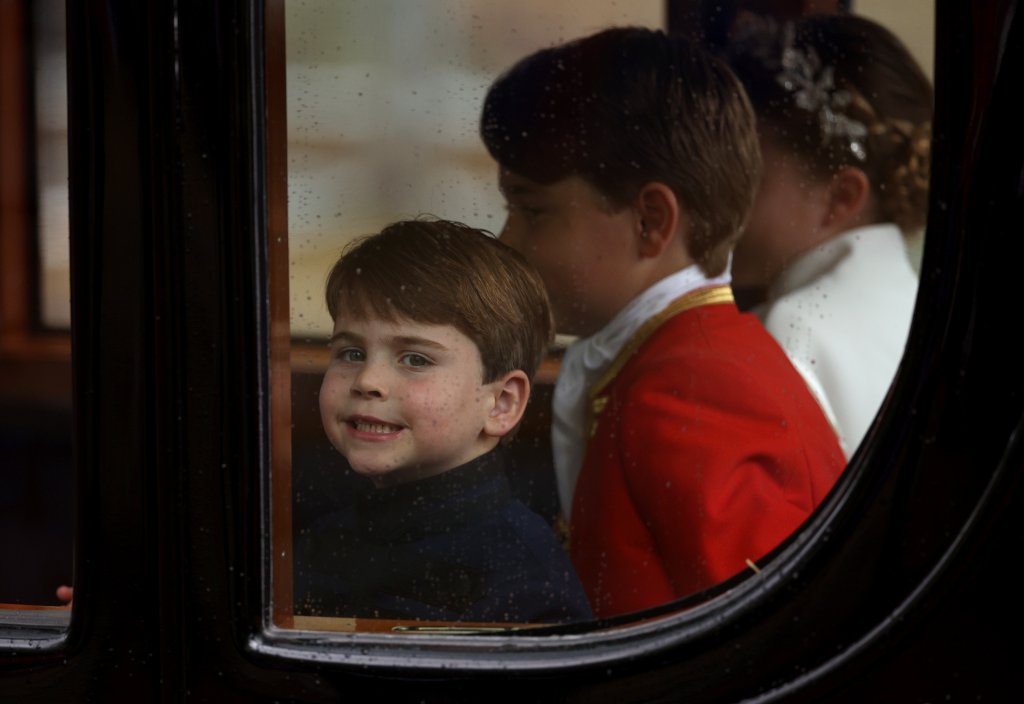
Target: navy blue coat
454, 547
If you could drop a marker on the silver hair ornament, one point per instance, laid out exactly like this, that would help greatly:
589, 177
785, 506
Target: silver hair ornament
814, 90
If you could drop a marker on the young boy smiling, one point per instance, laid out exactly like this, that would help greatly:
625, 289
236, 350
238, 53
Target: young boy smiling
401, 400
686, 446
438, 329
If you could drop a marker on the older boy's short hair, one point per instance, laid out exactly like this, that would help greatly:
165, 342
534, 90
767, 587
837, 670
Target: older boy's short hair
439, 272
625, 107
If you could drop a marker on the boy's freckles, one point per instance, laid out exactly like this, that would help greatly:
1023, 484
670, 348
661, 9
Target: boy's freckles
403, 400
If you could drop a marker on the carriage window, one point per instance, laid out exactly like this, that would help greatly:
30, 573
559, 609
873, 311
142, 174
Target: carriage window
383, 104
36, 501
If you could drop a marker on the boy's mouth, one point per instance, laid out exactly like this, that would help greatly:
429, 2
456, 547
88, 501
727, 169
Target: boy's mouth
373, 426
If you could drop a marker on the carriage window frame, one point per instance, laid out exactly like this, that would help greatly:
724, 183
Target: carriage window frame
187, 485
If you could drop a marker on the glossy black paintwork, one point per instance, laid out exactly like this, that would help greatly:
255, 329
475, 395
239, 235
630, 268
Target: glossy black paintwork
896, 592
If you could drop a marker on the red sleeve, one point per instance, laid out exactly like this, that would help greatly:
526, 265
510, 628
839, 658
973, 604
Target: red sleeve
720, 475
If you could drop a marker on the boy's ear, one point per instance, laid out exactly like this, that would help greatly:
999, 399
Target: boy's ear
511, 392
659, 218
849, 202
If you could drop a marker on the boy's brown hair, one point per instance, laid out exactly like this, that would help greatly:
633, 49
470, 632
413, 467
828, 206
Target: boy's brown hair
625, 107
439, 272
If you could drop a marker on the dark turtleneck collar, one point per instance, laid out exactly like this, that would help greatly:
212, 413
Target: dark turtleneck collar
461, 495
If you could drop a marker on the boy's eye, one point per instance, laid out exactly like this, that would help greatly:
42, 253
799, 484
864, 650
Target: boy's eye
351, 354
412, 359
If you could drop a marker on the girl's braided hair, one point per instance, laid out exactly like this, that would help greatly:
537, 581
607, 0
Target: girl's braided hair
841, 90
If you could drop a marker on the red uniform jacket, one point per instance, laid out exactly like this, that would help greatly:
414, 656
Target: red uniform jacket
707, 450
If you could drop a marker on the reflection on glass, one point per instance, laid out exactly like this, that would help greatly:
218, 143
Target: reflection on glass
384, 103
36, 501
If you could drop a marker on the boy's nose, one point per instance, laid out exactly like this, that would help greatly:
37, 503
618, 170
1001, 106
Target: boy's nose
370, 382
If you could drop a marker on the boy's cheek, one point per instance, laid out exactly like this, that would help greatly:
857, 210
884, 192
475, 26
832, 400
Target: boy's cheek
329, 395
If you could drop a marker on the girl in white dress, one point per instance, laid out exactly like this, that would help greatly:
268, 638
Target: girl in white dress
844, 116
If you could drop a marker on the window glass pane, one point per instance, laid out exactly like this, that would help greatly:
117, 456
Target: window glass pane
383, 110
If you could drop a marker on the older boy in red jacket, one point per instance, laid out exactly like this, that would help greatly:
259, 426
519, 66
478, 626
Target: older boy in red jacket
686, 445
